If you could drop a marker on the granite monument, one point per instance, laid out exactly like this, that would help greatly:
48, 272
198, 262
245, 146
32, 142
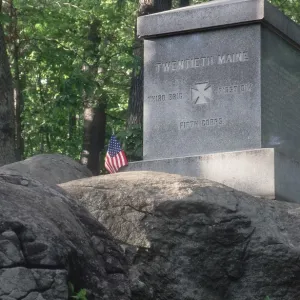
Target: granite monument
223, 78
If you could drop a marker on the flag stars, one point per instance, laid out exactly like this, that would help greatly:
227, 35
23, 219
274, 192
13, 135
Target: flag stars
114, 147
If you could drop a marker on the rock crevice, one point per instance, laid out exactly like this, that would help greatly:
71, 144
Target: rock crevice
46, 240
191, 239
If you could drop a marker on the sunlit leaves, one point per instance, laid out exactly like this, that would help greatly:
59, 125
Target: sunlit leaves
54, 57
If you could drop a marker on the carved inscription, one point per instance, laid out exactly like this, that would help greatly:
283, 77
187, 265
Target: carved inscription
200, 62
233, 58
165, 97
175, 96
212, 122
157, 98
235, 89
184, 64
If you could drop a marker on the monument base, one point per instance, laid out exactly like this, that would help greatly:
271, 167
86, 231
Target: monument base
259, 172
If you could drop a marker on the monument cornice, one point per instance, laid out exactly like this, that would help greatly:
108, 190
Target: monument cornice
214, 14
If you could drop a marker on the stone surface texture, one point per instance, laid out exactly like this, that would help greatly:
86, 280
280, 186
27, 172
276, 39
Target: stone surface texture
220, 76
46, 240
199, 92
251, 171
280, 109
191, 239
215, 14
263, 172
50, 169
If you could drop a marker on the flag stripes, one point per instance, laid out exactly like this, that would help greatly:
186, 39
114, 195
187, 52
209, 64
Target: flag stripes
115, 156
113, 164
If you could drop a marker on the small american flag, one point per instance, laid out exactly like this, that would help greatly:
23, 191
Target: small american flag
115, 156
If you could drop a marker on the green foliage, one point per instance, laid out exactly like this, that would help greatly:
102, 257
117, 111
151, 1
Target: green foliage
290, 7
62, 67
267, 298
4, 18
132, 141
81, 295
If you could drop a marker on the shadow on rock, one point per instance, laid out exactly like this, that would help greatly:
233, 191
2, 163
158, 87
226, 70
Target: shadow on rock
191, 239
47, 239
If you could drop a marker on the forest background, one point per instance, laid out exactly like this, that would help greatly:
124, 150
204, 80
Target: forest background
71, 73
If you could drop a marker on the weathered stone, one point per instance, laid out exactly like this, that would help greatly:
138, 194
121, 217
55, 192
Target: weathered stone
220, 78
34, 296
50, 169
191, 239
16, 282
98, 244
47, 239
259, 172
214, 14
21, 283
10, 252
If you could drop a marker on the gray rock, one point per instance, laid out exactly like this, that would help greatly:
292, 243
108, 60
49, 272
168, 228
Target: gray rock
50, 169
10, 252
191, 239
21, 283
47, 239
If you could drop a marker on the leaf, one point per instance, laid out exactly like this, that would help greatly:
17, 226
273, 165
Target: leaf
71, 288
82, 293
4, 18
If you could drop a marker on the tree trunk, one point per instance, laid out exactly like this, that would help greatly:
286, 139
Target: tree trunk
183, 3
94, 114
19, 104
18, 98
72, 125
162, 5
152, 6
94, 137
12, 44
135, 105
7, 125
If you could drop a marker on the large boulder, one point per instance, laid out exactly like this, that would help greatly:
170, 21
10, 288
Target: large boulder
50, 169
192, 239
48, 240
